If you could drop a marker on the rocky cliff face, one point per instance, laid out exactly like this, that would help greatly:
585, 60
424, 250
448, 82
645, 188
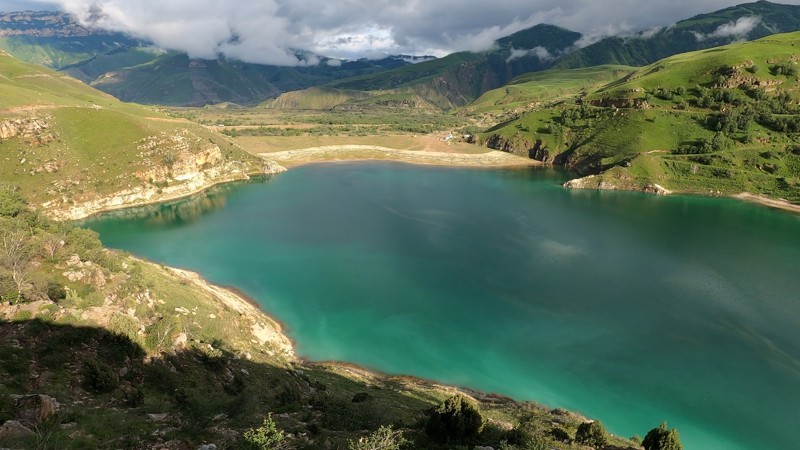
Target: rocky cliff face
190, 183
536, 150
173, 169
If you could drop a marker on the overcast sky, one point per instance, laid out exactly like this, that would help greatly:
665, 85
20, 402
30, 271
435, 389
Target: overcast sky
262, 30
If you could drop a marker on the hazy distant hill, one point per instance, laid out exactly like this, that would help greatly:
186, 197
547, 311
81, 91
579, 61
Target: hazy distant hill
461, 77
133, 70
743, 22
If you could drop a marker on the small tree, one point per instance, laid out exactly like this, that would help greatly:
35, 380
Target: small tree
384, 439
265, 437
457, 418
592, 434
662, 438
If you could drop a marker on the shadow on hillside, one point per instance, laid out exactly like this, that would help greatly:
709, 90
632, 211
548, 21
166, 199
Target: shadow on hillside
111, 394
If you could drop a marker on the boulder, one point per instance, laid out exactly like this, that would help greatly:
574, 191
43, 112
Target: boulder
12, 429
35, 408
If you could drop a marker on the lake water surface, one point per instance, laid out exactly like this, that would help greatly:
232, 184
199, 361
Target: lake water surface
630, 308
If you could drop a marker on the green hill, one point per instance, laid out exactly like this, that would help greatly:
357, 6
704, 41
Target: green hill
718, 121
461, 77
78, 150
755, 20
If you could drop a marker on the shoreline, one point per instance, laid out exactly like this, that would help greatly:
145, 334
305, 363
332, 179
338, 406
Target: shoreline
247, 306
772, 203
488, 160
333, 154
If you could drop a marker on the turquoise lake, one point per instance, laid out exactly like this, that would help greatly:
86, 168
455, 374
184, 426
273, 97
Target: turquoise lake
629, 308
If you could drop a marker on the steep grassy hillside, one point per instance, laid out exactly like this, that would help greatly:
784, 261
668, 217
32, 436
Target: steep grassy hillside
461, 77
721, 121
526, 91
68, 145
755, 20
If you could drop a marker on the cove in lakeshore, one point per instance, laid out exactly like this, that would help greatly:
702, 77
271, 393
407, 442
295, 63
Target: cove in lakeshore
629, 308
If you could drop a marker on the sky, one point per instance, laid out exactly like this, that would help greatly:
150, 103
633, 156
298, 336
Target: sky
267, 31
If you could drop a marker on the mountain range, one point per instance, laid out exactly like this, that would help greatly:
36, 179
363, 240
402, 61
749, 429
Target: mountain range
134, 70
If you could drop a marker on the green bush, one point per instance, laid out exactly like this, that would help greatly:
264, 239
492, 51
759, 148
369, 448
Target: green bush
99, 376
662, 438
456, 419
385, 438
12, 203
265, 437
592, 434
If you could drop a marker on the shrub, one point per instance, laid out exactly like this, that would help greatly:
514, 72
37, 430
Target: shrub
360, 397
265, 437
385, 438
457, 418
662, 438
11, 201
592, 433
785, 68
56, 291
99, 376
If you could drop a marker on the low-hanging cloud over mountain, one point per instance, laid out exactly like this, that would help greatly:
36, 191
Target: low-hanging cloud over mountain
740, 28
268, 31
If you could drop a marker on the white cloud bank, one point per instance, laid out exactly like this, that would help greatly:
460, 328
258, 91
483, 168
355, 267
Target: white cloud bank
267, 31
741, 28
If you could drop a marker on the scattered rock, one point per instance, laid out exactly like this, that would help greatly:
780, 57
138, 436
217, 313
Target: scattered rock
13, 429
180, 341
162, 417
34, 409
207, 447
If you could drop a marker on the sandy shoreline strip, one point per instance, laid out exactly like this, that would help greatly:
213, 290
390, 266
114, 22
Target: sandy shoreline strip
333, 153
781, 204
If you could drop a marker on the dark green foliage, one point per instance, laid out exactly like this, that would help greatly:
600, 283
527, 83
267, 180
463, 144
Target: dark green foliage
592, 434
456, 419
662, 438
361, 397
56, 291
784, 68
133, 396
12, 203
99, 376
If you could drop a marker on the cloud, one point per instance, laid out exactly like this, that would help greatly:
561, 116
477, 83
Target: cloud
539, 52
269, 31
741, 28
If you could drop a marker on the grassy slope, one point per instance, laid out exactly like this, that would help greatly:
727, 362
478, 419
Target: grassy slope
95, 140
461, 77
602, 137
547, 86
680, 37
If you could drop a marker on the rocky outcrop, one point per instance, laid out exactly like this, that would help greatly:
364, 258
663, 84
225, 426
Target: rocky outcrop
29, 130
190, 175
612, 183
537, 150
626, 103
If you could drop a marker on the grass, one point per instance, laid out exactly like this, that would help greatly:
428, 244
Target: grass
631, 130
92, 144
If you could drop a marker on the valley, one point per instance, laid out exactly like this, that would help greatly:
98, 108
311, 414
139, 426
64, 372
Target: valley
342, 197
